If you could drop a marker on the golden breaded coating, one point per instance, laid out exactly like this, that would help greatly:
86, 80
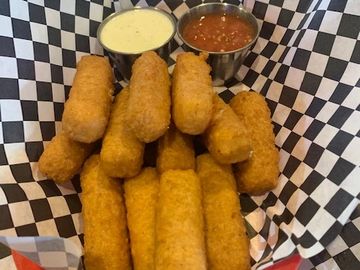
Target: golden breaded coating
260, 173
175, 151
63, 158
141, 194
191, 93
149, 100
226, 137
87, 110
227, 245
179, 233
105, 232
121, 153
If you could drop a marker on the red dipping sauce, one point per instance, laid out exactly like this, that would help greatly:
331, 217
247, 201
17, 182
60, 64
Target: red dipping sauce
218, 32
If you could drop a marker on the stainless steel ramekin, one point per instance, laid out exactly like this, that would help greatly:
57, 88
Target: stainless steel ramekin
124, 61
224, 64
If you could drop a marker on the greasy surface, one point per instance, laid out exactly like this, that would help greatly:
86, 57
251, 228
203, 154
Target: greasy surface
141, 194
179, 222
226, 137
87, 110
175, 151
63, 158
260, 173
191, 93
106, 240
121, 153
227, 244
149, 100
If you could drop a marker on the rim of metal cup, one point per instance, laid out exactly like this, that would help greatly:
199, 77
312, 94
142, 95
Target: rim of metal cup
240, 7
115, 14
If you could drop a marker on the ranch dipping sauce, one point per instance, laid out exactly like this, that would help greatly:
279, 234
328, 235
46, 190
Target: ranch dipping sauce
137, 30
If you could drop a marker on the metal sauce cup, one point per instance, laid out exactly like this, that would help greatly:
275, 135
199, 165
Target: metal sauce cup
124, 61
224, 64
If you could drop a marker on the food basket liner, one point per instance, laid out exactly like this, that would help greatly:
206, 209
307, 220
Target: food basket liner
306, 63
46, 252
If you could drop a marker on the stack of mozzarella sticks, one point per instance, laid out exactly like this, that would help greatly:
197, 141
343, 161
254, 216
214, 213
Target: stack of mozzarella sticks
185, 213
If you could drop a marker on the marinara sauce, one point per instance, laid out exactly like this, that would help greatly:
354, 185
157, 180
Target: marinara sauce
218, 32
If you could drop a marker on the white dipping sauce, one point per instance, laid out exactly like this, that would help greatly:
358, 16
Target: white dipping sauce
136, 31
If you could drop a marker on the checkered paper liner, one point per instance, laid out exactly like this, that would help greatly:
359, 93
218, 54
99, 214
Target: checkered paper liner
306, 63
47, 252
60, 253
343, 252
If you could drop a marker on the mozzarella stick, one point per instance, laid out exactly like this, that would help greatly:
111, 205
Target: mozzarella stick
191, 93
121, 153
226, 137
87, 110
63, 158
149, 101
227, 244
105, 232
179, 222
260, 173
175, 151
141, 194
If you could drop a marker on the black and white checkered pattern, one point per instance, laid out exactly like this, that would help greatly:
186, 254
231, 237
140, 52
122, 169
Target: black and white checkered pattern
6, 258
47, 252
41, 41
306, 63
343, 252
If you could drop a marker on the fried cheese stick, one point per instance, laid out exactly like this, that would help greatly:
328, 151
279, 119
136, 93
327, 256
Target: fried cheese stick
87, 110
227, 245
149, 101
192, 93
63, 158
260, 172
141, 194
175, 151
121, 153
179, 233
106, 239
226, 137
